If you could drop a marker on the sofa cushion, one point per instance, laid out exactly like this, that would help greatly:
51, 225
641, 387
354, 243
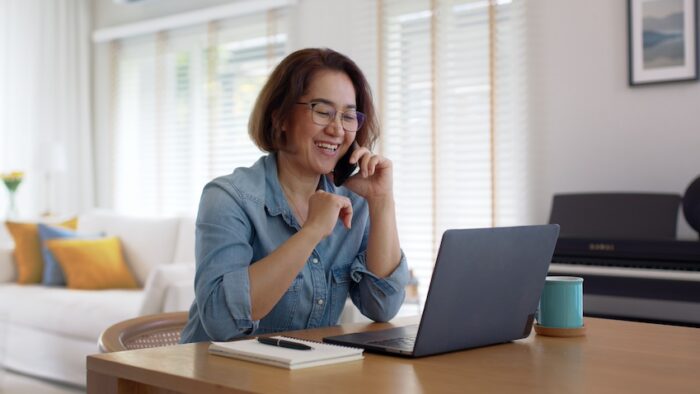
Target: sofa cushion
72, 313
30, 263
146, 242
53, 274
92, 264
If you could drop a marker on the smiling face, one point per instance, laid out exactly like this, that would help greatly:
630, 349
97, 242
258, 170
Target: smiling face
311, 148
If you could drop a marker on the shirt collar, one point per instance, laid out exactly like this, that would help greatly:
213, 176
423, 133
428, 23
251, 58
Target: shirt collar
274, 197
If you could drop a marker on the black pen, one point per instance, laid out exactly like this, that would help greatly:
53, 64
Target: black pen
283, 343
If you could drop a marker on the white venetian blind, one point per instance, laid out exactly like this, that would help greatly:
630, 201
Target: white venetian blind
406, 118
182, 99
453, 105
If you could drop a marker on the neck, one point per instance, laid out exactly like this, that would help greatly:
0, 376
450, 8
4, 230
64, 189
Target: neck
297, 185
294, 180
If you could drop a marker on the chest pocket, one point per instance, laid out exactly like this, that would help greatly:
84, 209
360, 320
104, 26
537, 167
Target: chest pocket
340, 287
282, 315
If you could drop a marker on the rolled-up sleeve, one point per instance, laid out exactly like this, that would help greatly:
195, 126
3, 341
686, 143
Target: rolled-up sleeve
224, 253
378, 298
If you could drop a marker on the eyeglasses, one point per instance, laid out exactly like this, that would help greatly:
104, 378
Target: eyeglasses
324, 114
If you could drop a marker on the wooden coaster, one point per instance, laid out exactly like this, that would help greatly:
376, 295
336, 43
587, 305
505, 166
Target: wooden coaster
560, 332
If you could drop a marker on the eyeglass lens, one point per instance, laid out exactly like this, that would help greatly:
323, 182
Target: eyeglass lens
323, 114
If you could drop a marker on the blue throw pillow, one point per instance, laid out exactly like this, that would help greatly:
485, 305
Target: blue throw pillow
53, 274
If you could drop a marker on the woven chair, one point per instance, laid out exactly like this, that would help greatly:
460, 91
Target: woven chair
162, 329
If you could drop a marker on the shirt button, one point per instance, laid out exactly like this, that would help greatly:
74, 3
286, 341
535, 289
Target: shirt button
320, 301
314, 260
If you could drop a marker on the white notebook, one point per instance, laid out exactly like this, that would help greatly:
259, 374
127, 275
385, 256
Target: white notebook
252, 350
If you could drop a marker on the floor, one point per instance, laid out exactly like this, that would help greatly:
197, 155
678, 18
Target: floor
14, 383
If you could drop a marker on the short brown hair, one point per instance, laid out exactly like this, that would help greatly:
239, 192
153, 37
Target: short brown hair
290, 80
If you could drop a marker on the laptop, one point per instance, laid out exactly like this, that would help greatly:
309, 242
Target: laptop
485, 288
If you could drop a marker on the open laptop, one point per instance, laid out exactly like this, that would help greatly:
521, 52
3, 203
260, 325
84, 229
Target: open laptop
485, 289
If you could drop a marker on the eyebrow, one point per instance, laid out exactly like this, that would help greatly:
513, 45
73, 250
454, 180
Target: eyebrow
326, 101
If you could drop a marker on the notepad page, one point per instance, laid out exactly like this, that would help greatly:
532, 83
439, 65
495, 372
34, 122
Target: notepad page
320, 354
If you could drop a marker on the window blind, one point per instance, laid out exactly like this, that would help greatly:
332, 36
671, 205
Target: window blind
453, 102
182, 99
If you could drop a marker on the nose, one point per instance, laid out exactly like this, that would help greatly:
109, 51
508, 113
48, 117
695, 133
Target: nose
335, 127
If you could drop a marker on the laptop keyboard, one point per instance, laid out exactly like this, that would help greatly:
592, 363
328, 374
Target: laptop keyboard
401, 343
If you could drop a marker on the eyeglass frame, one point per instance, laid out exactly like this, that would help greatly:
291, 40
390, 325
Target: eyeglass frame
361, 117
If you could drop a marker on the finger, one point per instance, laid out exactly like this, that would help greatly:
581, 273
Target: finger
358, 153
373, 163
364, 165
343, 201
317, 194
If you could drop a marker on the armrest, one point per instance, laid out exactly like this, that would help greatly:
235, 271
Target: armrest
7, 265
351, 314
159, 281
179, 296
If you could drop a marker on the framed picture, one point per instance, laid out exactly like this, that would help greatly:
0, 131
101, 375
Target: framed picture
662, 41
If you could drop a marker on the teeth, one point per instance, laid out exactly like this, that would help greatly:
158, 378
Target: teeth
324, 145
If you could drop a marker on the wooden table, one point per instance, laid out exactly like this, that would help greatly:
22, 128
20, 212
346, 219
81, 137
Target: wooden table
614, 356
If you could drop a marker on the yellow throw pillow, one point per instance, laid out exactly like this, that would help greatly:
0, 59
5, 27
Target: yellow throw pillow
92, 264
28, 257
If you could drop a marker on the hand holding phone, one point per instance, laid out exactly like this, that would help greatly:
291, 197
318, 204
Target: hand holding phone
375, 179
344, 170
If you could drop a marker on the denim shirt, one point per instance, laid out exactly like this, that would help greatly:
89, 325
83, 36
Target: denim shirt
242, 218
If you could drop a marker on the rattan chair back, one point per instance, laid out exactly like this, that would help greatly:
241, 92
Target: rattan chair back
157, 330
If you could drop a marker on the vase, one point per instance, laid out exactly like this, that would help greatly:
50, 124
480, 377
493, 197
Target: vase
12, 207
12, 181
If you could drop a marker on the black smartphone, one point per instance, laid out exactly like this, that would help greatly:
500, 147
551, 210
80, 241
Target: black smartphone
344, 170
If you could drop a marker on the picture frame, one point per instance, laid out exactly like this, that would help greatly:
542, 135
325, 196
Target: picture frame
662, 41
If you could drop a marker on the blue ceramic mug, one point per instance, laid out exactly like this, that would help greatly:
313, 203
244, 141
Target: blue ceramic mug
561, 304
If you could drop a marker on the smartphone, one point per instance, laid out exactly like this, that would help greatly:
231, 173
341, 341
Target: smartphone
344, 170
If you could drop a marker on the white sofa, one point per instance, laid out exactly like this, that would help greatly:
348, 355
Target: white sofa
49, 331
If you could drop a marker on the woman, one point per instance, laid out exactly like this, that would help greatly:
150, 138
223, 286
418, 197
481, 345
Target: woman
278, 246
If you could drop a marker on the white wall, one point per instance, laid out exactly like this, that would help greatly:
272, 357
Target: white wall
595, 132
592, 132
